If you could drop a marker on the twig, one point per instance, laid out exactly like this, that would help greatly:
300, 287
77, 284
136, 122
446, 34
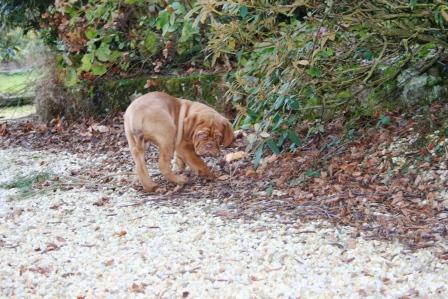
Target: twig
372, 69
311, 55
128, 173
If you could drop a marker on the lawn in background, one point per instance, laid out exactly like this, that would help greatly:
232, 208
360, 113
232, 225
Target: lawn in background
13, 112
17, 82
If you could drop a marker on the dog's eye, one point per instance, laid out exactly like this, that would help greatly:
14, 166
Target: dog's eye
202, 135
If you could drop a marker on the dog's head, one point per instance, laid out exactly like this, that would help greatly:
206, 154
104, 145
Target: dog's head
208, 131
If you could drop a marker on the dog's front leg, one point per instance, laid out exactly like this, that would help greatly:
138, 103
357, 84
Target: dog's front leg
166, 154
180, 164
187, 153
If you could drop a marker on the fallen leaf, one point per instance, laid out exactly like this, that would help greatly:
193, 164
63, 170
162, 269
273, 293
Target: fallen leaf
3, 130
278, 193
102, 201
138, 288
235, 156
251, 173
271, 159
151, 83
224, 177
52, 247
121, 233
349, 260
98, 128
55, 206
303, 62
41, 270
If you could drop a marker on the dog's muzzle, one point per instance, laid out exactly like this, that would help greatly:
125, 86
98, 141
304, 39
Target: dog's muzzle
208, 149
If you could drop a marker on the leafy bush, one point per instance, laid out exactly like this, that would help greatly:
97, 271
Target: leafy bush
118, 38
301, 61
293, 62
23, 13
17, 46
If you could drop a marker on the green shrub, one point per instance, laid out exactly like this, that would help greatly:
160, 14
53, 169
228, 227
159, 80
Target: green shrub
310, 61
291, 61
118, 38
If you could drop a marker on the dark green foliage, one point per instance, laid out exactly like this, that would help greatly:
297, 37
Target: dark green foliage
292, 62
117, 94
357, 58
116, 39
24, 13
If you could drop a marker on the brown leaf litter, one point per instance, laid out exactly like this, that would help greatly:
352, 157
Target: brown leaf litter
360, 183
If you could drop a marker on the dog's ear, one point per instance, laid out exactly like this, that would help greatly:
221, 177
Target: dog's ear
228, 134
189, 125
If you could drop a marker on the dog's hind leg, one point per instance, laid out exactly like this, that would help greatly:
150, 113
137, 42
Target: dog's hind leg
137, 147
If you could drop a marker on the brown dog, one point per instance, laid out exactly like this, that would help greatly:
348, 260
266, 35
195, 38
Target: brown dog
190, 129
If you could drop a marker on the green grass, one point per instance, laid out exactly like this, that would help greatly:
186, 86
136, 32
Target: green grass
16, 111
26, 184
17, 82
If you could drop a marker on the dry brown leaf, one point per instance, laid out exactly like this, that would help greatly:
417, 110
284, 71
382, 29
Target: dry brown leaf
51, 247
224, 177
3, 130
271, 159
121, 233
138, 288
303, 62
41, 270
102, 201
252, 173
151, 83
98, 128
235, 156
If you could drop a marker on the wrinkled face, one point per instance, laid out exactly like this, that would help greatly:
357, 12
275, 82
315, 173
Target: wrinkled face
208, 131
207, 140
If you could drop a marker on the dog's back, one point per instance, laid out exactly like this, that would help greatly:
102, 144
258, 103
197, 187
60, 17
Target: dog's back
151, 112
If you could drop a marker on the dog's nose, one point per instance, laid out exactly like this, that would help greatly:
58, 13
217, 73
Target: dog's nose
209, 146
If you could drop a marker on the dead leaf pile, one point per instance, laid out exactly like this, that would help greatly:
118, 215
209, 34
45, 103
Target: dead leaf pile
379, 183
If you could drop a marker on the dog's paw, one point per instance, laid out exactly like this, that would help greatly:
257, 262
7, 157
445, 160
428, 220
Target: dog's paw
211, 177
150, 187
181, 179
203, 172
207, 175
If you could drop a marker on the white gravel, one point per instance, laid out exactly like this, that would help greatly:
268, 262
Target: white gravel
57, 244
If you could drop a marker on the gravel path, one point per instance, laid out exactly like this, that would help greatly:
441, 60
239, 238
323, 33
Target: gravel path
96, 244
